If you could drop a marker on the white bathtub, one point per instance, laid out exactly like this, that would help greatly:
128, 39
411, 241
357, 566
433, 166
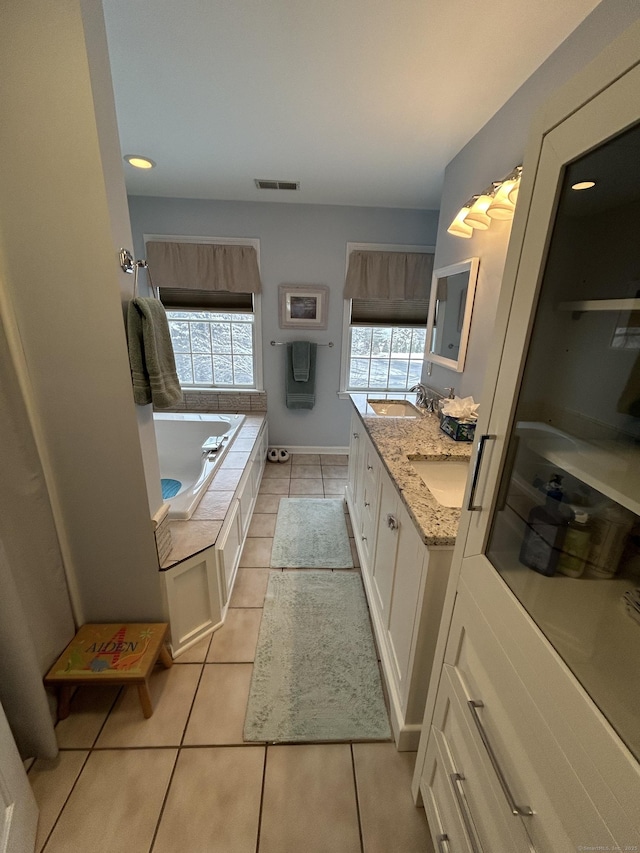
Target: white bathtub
180, 438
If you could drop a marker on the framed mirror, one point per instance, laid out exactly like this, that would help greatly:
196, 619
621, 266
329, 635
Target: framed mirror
450, 307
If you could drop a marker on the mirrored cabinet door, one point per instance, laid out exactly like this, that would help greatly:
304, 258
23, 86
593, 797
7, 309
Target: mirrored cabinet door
565, 532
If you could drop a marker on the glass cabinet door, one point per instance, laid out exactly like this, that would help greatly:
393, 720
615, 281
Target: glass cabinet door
565, 530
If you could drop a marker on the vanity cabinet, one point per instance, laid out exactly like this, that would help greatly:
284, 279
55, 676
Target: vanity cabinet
404, 582
532, 709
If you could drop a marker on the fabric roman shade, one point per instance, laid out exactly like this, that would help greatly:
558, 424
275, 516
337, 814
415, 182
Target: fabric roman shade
388, 275
203, 267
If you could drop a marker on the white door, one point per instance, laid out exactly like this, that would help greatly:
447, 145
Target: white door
18, 809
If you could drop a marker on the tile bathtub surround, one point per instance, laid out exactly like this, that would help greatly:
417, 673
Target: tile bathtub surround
221, 401
184, 779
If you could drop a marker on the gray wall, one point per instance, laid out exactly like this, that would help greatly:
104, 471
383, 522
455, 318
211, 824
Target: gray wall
299, 244
490, 155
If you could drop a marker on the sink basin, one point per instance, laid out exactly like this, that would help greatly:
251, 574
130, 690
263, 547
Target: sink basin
394, 408
446, 480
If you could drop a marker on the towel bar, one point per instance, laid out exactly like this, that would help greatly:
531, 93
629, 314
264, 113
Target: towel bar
284, 343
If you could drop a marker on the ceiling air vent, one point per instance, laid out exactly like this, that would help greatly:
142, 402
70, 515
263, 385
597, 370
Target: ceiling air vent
264, 184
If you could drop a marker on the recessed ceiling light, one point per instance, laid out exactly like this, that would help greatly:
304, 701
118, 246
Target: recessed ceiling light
139, 161
583, 185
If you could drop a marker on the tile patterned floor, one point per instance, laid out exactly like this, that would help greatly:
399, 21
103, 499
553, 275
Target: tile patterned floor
183, 780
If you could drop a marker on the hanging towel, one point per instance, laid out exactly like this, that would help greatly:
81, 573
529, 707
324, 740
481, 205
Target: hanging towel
153, 366
300, 356
300, 395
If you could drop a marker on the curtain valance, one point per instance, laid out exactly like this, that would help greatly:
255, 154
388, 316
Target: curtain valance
388, 275
203, 266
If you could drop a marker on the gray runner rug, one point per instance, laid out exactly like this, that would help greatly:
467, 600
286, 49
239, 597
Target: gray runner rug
315, 676
311, 533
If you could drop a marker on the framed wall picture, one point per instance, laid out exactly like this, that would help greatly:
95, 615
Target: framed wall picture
303, 306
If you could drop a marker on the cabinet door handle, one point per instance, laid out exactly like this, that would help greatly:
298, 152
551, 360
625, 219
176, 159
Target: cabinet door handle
364, 538
456, 780
442, 840
392, 522
366, 503
356, 435
476, 472
369, 467
524, 811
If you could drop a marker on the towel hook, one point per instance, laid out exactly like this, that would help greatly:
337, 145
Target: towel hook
137, 266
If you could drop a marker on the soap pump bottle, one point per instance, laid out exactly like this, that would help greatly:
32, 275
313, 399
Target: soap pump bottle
575, 549
544, 533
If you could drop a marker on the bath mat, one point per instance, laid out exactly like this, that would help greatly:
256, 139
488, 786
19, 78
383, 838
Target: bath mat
311, 533
315, 675
170, 488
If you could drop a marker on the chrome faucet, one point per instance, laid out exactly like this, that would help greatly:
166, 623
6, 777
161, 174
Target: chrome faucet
423, 398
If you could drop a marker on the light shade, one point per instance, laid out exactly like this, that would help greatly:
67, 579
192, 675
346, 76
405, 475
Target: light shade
139, 161
477, 216
583, 185
458, 227
502, 207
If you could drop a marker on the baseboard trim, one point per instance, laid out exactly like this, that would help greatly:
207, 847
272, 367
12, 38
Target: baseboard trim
342, 451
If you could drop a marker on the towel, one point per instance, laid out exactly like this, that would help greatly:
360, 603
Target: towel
153, 366
300, 360
300, 395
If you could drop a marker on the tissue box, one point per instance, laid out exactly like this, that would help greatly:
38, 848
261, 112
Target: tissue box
459, 431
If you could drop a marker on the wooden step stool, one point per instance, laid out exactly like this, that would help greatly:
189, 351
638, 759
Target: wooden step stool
110, 653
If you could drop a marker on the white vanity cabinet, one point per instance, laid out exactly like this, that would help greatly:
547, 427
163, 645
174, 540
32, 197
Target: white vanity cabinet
531, 735
404, 581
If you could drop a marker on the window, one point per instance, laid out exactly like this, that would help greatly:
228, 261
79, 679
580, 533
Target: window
211, 292
214, 349
384, 339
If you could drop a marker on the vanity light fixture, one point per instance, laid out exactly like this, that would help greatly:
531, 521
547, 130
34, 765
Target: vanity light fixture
583, 185
496, 202
139, 161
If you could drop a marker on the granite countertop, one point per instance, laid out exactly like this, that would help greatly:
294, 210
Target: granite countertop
395, 439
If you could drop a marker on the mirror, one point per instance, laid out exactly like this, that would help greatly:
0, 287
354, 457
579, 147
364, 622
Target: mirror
450, 307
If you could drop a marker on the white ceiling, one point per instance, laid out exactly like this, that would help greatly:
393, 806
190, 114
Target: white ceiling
362, 101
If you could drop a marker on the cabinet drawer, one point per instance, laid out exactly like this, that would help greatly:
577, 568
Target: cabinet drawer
440, 805
535, 769
495, 825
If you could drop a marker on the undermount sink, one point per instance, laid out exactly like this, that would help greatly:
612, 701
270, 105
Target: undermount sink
445, 479
394, 408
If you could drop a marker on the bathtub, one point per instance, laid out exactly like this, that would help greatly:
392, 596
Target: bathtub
185, 470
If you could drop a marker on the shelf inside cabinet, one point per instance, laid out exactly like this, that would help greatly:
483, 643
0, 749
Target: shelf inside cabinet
601, 305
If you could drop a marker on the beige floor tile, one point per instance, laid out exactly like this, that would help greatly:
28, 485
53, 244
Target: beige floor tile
305, 459
262, 524
51, 783
335, 487
215, 504
219, 709
197, 653
115, 805
267, 503
308, 472
89, 709
213, 805
236, 641
334, 459
306, 487
256, 553
249, 588
309, 800
274, 486
277, 471
333, 472
172, 691
390, 820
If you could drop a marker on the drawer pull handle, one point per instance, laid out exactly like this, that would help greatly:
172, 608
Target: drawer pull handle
524, 811
369, 467
392, 522
366, 503
471, 506
456, 780
442, 840
356, 435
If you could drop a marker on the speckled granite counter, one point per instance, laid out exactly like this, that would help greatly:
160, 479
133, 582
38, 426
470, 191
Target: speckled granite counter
395, 439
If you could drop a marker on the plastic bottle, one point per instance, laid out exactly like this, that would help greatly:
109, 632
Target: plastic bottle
575, 549
544, 533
